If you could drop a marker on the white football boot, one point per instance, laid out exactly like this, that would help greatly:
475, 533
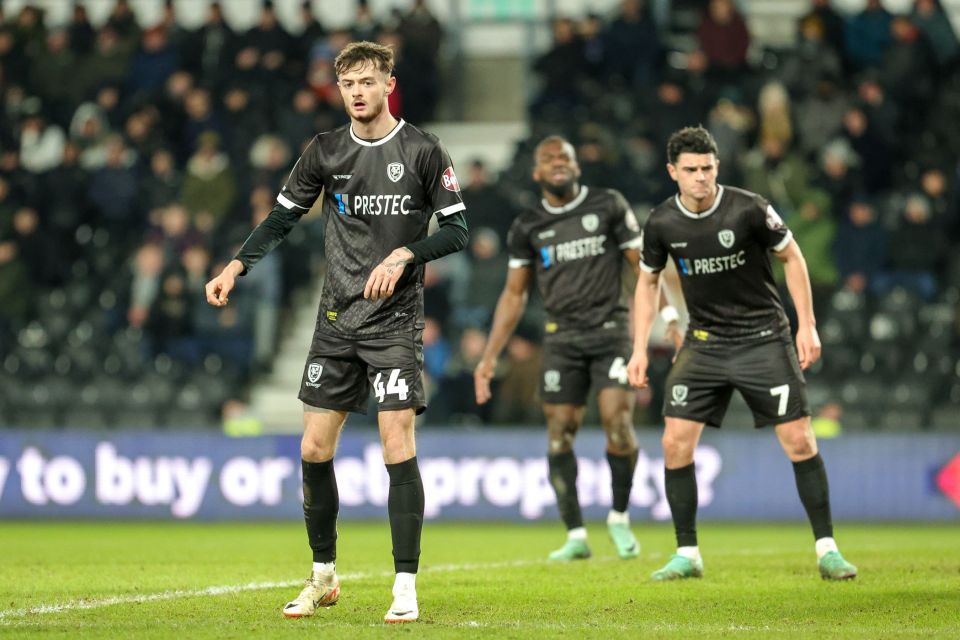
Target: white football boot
318, 591
404, 607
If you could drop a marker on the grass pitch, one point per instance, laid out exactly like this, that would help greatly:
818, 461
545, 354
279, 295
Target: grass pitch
163, 580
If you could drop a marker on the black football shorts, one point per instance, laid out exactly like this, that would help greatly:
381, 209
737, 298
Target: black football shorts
340, 372
767, 374
575, 360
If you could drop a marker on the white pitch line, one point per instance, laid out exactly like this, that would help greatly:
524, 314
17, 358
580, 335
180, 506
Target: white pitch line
97, 603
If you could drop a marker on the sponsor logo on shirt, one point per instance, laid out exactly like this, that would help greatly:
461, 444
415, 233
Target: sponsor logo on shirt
774, 221
449, 180
573, 250
715, 264
543, 235
342, 176
373, 205
678, 245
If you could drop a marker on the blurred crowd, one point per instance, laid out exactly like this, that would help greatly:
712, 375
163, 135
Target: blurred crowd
134, 161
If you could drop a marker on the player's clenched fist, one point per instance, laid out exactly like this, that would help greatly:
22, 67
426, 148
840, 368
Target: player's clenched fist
637, 369
218, 290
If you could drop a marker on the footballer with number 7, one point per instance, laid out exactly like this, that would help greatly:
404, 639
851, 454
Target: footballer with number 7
720, 239
381, 181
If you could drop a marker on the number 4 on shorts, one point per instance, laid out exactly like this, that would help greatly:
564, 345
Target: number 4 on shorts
618, 370
395, 386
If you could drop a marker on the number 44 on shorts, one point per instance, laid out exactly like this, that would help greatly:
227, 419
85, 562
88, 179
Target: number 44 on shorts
396, 386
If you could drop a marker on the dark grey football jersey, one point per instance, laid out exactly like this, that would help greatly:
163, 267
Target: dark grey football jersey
576, 251
723, 258
378, 195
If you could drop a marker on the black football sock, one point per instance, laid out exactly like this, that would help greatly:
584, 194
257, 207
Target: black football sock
405, 507
814, 493
563, 477
681, 486
321, 503
621, 478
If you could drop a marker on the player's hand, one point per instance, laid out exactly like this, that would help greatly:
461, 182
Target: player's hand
218, 290
482, 376
808, 346
637, 369
383, 279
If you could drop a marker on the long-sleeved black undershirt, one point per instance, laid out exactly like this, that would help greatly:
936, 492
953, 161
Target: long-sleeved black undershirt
452, 236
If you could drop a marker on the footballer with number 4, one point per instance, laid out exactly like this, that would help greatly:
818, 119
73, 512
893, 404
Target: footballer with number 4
381, 181
575, 240
720, 238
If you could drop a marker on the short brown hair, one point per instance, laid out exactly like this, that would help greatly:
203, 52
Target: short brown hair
356, 54
690, 140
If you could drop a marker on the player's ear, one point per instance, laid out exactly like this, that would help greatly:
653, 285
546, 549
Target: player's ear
391, 84
672, 170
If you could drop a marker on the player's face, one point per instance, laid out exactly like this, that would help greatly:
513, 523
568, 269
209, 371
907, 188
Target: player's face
364, 91
695, 175
556, 169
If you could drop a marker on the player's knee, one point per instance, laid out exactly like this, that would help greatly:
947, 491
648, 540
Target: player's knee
800, 444
314, 451
621, 438
677, 450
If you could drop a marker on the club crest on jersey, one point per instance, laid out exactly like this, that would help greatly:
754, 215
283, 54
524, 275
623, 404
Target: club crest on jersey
395, 171
449, 180
551, 381
314, 371
591, 222
726, 238
679, 395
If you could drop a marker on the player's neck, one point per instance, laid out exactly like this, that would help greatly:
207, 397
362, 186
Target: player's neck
559, 200
699, 206
377, 128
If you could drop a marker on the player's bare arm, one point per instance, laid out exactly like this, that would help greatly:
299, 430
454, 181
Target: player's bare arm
645, 303
798, 283
510, 306
218, 290
383, 279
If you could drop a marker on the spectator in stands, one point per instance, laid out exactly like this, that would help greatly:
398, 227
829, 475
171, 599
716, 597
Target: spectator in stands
930, 18
80, 32
64, 198
882, 113
142, 131
36, 250
814, 229
867, 36
14, 306
488, 271
151, 65
561, 70
862, 246
41, 143
365, 24
162, 184
820, 116
516, 400
146, 268
266, 286
298, 122
632, 49
777, 173
201, 118
169, 322
489, 207
828, 21
812, 60
53, 77
244, 118
208, 187
210, 49
271, 45
839, 175
269, 160
933, 185
724, 38
917, 250
89, 131
113, 190
173, 233
908, 72
313, 32
124, 23
773, 112
877, 168
109, 63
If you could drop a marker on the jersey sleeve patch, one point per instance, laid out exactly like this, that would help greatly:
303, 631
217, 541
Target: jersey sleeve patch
773, 219
449, 180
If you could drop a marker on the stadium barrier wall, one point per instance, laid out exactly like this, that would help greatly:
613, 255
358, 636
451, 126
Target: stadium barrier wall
492, 474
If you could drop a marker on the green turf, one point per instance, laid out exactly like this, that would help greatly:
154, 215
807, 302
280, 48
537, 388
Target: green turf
477, 580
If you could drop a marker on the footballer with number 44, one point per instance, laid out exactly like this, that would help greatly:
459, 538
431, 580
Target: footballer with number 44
381, 181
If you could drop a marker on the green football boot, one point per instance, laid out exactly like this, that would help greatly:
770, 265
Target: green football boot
571, 550
624, 540
679, 568
834, 567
